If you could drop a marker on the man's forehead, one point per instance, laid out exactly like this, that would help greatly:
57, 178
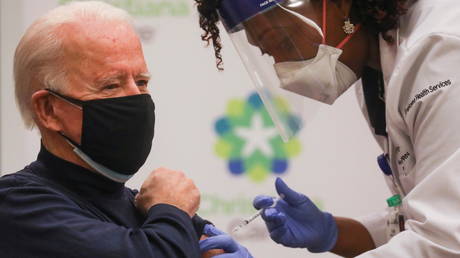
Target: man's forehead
100, 36
102, 51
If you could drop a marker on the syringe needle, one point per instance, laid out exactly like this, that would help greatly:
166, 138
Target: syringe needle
253, 217
246, 221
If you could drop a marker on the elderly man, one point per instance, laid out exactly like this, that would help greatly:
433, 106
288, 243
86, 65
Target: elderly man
82, 80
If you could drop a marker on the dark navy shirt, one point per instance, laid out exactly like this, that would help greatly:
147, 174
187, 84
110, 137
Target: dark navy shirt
53, 208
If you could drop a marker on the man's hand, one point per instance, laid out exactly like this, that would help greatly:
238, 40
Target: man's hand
168, 187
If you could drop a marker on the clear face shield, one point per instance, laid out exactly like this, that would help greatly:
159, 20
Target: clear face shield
282, 46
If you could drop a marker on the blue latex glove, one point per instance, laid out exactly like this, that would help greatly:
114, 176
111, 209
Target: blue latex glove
296, 222
219, 240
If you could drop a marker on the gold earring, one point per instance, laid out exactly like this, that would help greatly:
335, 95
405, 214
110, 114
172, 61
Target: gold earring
348, 27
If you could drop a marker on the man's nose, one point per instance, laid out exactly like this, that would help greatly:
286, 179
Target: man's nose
131, 88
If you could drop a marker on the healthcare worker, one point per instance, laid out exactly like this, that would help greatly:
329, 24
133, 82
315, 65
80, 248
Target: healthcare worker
407, 57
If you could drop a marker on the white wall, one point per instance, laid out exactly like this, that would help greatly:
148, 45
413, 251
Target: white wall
336, 166
18, 146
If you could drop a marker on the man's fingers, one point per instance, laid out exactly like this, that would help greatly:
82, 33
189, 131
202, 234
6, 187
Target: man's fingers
169, 187
262, 201
224, 242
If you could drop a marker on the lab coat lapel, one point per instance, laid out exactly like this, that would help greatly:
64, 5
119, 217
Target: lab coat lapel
388, 54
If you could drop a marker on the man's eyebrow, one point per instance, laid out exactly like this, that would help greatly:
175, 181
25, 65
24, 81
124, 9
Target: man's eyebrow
145, 75
109, 79
119, 77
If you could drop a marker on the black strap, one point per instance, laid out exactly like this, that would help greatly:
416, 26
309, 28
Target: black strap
82, 203
374, 96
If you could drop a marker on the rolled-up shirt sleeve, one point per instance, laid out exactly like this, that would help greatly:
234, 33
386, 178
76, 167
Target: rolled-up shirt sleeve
375, 224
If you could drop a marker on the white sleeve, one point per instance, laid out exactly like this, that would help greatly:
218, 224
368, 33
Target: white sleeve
433, 123
375, 223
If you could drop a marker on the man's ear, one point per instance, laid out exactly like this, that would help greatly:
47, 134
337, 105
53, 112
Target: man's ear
43, 107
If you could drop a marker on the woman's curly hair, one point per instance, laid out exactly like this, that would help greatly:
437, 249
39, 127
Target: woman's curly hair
378, 16
208, 22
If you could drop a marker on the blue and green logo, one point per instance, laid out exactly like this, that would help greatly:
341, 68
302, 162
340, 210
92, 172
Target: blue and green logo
249, 141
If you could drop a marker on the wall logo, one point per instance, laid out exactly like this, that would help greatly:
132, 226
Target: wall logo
149, 8
249, 141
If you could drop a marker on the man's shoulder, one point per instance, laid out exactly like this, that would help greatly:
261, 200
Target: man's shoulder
13, 180
24, 183
18, 181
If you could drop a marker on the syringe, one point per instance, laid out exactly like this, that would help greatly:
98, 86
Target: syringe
245, 222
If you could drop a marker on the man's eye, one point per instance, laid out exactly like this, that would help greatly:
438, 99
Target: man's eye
110, 86
142, 83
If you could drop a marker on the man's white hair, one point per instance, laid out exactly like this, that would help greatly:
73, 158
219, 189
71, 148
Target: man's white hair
38, 58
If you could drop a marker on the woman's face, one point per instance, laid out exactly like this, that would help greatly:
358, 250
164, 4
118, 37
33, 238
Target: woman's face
286, 37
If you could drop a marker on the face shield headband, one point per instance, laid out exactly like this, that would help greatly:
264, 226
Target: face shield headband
234, 12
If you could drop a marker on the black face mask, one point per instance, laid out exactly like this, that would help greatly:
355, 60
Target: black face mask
116, 133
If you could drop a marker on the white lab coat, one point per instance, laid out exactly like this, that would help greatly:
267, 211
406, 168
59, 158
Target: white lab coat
423, 126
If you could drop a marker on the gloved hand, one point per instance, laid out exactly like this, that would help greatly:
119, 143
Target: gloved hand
296, 222
219, 240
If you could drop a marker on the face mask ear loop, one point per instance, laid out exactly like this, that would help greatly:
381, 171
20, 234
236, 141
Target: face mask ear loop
345, 40
69, 141
324, 27
117, 177
57, 95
